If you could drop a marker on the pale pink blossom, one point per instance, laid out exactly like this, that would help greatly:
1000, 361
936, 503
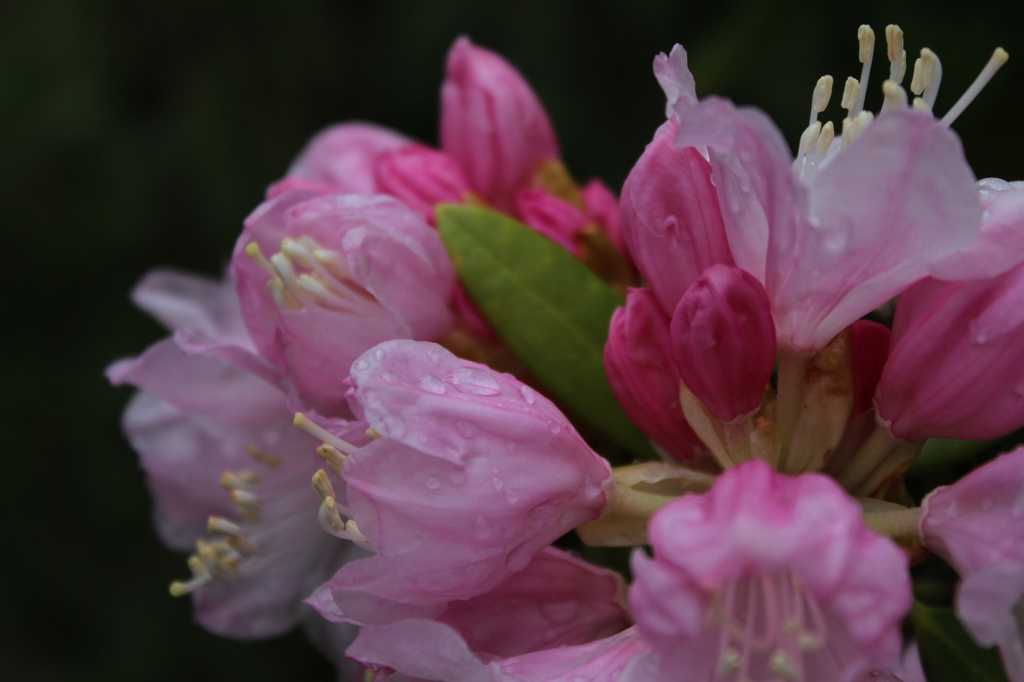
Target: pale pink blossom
723, 341
323, 278
976, 525
954, 368
474, 474
202, 424
834, 233
493, 124
768, 576
638, 362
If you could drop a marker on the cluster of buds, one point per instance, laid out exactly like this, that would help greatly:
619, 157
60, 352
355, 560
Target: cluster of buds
341, 348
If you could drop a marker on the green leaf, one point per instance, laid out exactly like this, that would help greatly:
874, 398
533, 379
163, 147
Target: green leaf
549, 309
948, 654
942, 453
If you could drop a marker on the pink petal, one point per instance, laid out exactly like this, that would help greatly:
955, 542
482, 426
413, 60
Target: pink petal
552, 217
182, 301
603, 207
675, 79
421, 178
343, 156
671, 219
1002, 228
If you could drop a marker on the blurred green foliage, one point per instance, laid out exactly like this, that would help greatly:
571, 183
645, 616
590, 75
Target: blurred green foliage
136, 134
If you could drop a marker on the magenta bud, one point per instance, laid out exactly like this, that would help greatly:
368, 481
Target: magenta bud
869, 349
642, 375
552, 217
723, 341
493, 124
421, 178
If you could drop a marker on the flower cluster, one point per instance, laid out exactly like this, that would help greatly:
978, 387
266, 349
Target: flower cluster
753, 348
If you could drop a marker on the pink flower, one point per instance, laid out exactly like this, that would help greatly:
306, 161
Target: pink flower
723, 341
474, 475
493, 124
222, 457
346, 273
954, 369
768, 576
842, 228
638, 362
975, 525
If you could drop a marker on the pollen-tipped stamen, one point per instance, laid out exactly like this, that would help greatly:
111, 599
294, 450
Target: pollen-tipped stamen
310, 427
866, 42
995, 62
895, 51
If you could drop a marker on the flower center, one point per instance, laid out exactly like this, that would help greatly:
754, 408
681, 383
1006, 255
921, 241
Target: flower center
304, 274
817, 141
766, 625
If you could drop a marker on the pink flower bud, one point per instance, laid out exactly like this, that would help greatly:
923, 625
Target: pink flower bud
603, 207
421, 178
552, 217
955, 370
869, 348
343, 157
723, 341
638, 362
492, 123
671, 220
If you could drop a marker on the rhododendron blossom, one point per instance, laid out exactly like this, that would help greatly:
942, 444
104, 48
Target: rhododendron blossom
349, 444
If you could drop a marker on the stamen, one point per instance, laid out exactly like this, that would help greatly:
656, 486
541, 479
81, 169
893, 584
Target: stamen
295, 251
809, 138
244, 497
242, 545
179, 588
307, 425
903, 67
851, 93
866, 39
219, 526
783, 666
263, 457
729, 662
322, 485
334, 458
894, 44
282, 298
933, 75
286, 273
920, 104
229, 480
252, 249
895, 96
995, 62
372, 434
828, 133
328, 516
323, 295
332, 262
822, 94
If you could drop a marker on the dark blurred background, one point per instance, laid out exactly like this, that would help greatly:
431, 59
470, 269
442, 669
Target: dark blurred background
137, 134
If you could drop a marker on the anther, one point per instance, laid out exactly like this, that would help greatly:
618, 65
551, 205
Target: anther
895, 96
230, 480
322, 485
244, 497
197, 567
903, 67
295, 251
807, 641
920, 104
995, 62
307, 425
729, 662
931, 76
263, 457
807, 141
285, 272
332, 457
894, 45
372, 434
180, 588
332, 262
822, 94
329, 517
782, 665
828, 133
219, 526
252, 249
851, 93
242, 545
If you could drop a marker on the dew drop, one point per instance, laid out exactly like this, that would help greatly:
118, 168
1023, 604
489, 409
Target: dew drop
432, 384
466, 429
361, 365
497, 483
434, 357
433, 482
474, 381
529, 395
378, 354
512, 496
394, 426
518, 558
482, 528
555, 427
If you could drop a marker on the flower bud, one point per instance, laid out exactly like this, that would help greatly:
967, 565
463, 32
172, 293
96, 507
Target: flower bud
603, 207
954, 370
492, 123
421, 178
552, 217
723, 341
671, 220
640, 369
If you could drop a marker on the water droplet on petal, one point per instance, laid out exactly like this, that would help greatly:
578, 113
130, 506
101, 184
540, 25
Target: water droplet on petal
518, 558
394, 426
482, 528
433, 482
378, 354
474, 381
466, 429
497, 483
432, 384
361, 365
555, 427
512, 496
529, 395
434, 357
